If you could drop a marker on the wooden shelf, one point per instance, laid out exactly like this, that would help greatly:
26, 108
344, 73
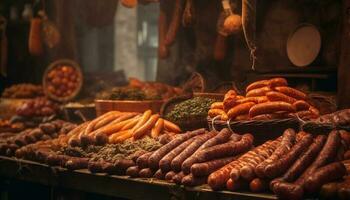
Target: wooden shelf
115, 186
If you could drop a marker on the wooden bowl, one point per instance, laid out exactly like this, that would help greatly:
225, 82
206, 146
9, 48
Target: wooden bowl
79, 112
57, 63
103, 106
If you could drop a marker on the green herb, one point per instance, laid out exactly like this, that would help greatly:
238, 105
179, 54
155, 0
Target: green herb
197, 107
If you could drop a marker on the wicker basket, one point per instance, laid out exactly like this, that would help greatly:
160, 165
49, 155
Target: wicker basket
58, 63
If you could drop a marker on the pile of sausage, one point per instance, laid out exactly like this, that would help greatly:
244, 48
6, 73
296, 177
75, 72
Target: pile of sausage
339, 189
291, 166
116, 127
191, 157
339, 118
264, 100
10, 142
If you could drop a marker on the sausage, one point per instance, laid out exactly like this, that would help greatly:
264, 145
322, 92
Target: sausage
159, 175
230, 100
35, 43
165, 138
169, 176
301, 105
222, 137
144, 118
122, 165
291, 92
191, 180
302, 163
77, 163
235, 185
163, 50
287, 142
259, 185
157, 128
186, 153
154, 159
213, 112
133, 171
285, 190
252, 158
206, 168
280, 166
329, 190
240, 109
270, 107
256, 100
257, 85
217, 105
174, 24
323, 175
142, 130
278, 96
146, 173
142, 161
258, 92
242, 117
165, 162
178, 177
275, 82
220, 47
188, 17
230, 148
327, 155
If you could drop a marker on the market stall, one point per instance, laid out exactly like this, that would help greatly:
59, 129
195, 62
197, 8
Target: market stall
220, 132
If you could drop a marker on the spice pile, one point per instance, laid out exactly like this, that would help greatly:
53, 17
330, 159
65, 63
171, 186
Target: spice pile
196, 108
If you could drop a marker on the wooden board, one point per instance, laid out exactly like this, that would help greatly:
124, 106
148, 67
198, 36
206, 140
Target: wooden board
115, 186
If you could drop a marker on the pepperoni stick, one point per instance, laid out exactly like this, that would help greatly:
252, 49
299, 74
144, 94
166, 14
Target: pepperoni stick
174, 24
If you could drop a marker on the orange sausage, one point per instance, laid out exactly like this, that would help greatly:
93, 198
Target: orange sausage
256, 100
258, 92
157, 128
301, 105
240, 109
278, 96
217, 105
257, 84
270, 107
275, 82
140, 132
291, 92
171, 127
215, 112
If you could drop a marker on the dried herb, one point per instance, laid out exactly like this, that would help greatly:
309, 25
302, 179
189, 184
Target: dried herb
197, 107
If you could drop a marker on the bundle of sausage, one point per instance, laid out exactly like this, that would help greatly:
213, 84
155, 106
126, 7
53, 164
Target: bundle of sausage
291, 166
339, 189
116, 127
191, 157
339, 118
44, 131
266, 99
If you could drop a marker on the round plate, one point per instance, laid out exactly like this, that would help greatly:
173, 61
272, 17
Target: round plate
56, 64
303, 45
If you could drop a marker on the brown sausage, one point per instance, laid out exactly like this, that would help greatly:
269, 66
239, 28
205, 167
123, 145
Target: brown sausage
165, 162
142, 161
206, 168
77, 163
169, 176
302, 163
174, 24
235, 185
133, 171
178, 177
278, 96
278, 167
159, 175
179, 159
163, 51
154, 159
270, 107
259, 185
323, 175
191, 180
285, 190
291, 92
327, 155
287, 142
231, 148
146, 173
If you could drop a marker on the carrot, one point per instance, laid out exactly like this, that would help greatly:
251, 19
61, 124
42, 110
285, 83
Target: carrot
138, 133
157, 128
131, 123
171, 127
146, 115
